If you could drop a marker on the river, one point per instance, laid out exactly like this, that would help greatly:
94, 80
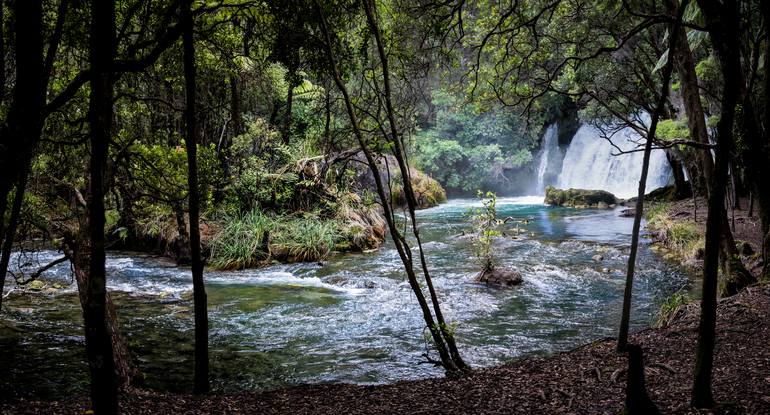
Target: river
352, 318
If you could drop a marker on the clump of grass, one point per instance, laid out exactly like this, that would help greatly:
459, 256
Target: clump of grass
684, 238
241, 242
671, 307
304, 239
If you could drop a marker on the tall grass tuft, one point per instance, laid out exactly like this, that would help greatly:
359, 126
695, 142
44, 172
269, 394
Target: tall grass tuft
241, 242
304, 239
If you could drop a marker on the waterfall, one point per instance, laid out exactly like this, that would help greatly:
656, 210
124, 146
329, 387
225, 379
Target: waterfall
548, 148
589, 164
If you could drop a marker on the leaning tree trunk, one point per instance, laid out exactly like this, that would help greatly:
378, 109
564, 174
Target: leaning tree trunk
400, 154
201, 381
101, 360
659, 108
449, 364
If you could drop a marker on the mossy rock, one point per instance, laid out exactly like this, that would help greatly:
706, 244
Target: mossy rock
36, 285
579, 198
500, 277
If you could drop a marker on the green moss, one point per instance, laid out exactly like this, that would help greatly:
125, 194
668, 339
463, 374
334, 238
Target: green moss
578, 197
427, 191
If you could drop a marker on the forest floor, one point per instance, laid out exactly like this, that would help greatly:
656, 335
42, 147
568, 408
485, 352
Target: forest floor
587, 380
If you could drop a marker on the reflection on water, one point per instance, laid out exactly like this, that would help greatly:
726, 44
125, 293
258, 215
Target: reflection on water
354, 318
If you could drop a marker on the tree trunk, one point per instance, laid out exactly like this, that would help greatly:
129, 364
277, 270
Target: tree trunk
13, 222
2, 59
182, 241
659, 108
201, 381
765, 8
79, 255
637, 400
287, 114
696, 119
400, 242
720, 19
677, 169
104, 385
400, 154
18, 140
737, 275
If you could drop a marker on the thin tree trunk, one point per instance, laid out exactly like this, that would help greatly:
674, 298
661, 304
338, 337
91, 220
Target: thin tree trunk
104, 385
696, 122
400, 155
659, 108
719, 17
287, 115
201, 381
400, 243
2, 59
13, 222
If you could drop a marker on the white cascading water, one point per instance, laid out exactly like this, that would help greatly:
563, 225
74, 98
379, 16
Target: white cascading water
589, 164
548, 148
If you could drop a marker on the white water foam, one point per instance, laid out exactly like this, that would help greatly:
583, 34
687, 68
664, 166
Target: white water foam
589, 164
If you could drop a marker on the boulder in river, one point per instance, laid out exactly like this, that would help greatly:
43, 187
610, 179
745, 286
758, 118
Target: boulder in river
579, 198
500, 276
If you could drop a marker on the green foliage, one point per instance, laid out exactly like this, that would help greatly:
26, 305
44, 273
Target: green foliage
465, 145
670, 307
304, 239
241, 243
672, 130
484, 220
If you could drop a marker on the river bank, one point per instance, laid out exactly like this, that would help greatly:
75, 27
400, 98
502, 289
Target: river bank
589, 379
678, 230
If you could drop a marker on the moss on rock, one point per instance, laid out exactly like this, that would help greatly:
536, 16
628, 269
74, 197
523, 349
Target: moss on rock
579, 198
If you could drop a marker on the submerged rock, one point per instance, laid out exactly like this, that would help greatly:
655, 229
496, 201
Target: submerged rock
579, 198
500, 276
598, 257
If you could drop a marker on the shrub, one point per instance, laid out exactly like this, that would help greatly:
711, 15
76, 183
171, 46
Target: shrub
484, 221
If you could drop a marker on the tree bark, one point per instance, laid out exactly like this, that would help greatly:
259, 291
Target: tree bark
659, 108
18, 140
287, 114
201, 381
637, 399
400, 154
400, 242
79, 248
719, 18
104, 385
737, 275
2, 58
677, 169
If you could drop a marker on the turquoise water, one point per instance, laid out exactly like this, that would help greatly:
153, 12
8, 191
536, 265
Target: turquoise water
352, 318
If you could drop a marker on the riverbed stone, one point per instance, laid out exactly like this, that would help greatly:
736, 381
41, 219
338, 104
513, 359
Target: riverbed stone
579, 198
500, 277
598, 257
